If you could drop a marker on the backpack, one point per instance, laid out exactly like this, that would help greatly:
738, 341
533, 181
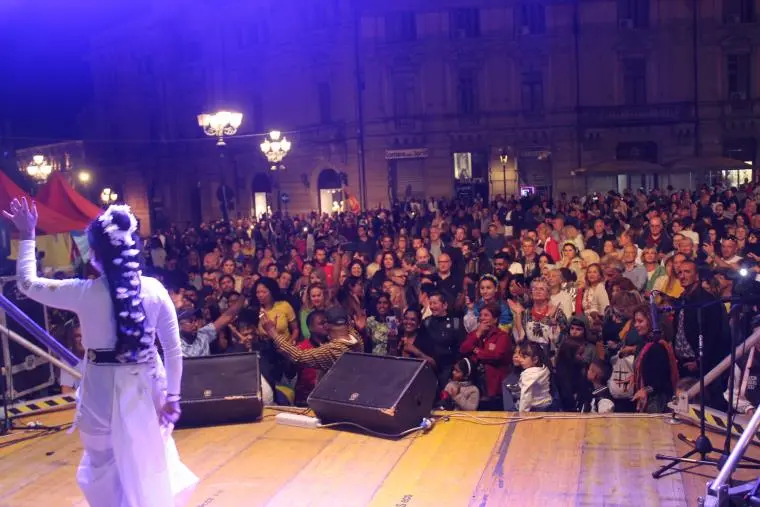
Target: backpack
622, 379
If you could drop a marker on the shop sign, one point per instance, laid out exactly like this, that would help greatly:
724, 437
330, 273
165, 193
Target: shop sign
407, 153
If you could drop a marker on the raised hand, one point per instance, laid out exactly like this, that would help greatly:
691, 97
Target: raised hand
24, 216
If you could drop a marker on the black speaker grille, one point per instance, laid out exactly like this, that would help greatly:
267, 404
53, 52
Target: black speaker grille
367, 380
220, 376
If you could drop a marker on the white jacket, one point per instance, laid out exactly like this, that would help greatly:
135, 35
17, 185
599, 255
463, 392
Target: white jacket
535, 388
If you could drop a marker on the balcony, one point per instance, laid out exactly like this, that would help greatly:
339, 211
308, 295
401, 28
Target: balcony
636, 115
323, 133
740, 105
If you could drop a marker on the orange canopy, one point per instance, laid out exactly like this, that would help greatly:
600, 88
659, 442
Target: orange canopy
50, 221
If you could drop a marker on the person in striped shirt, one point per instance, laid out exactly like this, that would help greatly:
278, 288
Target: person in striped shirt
332, 335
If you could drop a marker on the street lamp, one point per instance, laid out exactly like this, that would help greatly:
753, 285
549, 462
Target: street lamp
39, 169
504, 158
220, 124
275, 147
84, 177
108, 196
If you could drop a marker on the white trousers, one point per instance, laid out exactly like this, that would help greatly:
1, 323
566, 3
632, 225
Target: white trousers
129, 459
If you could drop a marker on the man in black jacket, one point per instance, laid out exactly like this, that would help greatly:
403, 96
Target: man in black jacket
446, 334
703, 314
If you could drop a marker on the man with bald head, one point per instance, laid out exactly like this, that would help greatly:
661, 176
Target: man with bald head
422, 256
445, 281
655, 236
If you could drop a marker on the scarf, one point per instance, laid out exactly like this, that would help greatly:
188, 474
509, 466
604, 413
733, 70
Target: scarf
639, 379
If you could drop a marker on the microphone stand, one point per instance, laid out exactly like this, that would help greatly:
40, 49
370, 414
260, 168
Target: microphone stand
702, 445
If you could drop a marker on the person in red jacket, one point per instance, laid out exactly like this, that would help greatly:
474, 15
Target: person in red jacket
490, 349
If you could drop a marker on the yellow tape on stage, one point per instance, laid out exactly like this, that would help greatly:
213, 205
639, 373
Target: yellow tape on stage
42, 405
717, 421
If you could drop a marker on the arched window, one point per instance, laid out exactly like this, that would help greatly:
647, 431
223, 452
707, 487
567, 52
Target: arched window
330, 191
261, 189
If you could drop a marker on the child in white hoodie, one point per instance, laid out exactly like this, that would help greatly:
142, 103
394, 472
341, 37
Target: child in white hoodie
535, 380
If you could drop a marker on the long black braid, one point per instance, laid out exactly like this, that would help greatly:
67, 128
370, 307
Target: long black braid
114, 241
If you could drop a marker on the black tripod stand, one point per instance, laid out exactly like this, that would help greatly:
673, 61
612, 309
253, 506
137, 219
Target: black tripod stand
702, 444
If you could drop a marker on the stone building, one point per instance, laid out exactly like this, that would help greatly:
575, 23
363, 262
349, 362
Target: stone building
422, 98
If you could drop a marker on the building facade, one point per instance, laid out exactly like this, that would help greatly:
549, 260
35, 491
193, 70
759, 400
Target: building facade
426, 99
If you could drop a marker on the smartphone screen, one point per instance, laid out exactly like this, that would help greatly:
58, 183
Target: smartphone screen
471, 292
392, 324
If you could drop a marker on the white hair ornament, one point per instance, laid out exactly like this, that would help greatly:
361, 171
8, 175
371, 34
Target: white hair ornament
117, 236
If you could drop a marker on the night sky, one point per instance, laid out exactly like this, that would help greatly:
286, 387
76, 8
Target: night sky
44, 76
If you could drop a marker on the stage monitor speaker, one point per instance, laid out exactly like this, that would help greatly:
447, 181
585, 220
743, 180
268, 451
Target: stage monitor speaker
382, 393
221, 389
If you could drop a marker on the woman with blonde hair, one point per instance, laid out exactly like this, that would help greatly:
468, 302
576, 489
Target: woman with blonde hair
397, 290
595, 299
668, 283
589, 257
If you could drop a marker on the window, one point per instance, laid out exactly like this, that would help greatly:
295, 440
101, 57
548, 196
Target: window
738, 11
633, 13
465, 23
463, 166
738, 74
634, 81
325, 102
403, 96
532, 92
466, 92
401, 27
258, 114
532, 19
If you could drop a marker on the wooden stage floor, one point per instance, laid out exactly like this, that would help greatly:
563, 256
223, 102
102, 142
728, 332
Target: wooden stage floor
562, 461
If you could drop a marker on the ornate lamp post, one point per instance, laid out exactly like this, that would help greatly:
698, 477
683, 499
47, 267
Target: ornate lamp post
220, 124
275, 147
504, 158
39, 169
84, 177
108, 196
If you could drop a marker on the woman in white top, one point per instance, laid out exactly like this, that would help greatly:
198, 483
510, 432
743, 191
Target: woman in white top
127, 403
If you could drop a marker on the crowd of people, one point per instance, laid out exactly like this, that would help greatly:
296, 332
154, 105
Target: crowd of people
525, 304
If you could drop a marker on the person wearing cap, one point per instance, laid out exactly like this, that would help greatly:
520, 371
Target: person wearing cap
332, 338
195, 338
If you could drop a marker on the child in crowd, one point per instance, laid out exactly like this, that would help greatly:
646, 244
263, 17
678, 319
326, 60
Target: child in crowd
579, 333
460, 393
600, 402
535, 380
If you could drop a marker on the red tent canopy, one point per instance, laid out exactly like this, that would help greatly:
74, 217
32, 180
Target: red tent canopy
50, 221
58, 195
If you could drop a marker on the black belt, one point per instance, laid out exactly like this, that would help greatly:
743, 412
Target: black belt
105, 356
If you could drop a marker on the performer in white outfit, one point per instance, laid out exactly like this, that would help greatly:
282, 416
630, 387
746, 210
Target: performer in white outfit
127, 404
